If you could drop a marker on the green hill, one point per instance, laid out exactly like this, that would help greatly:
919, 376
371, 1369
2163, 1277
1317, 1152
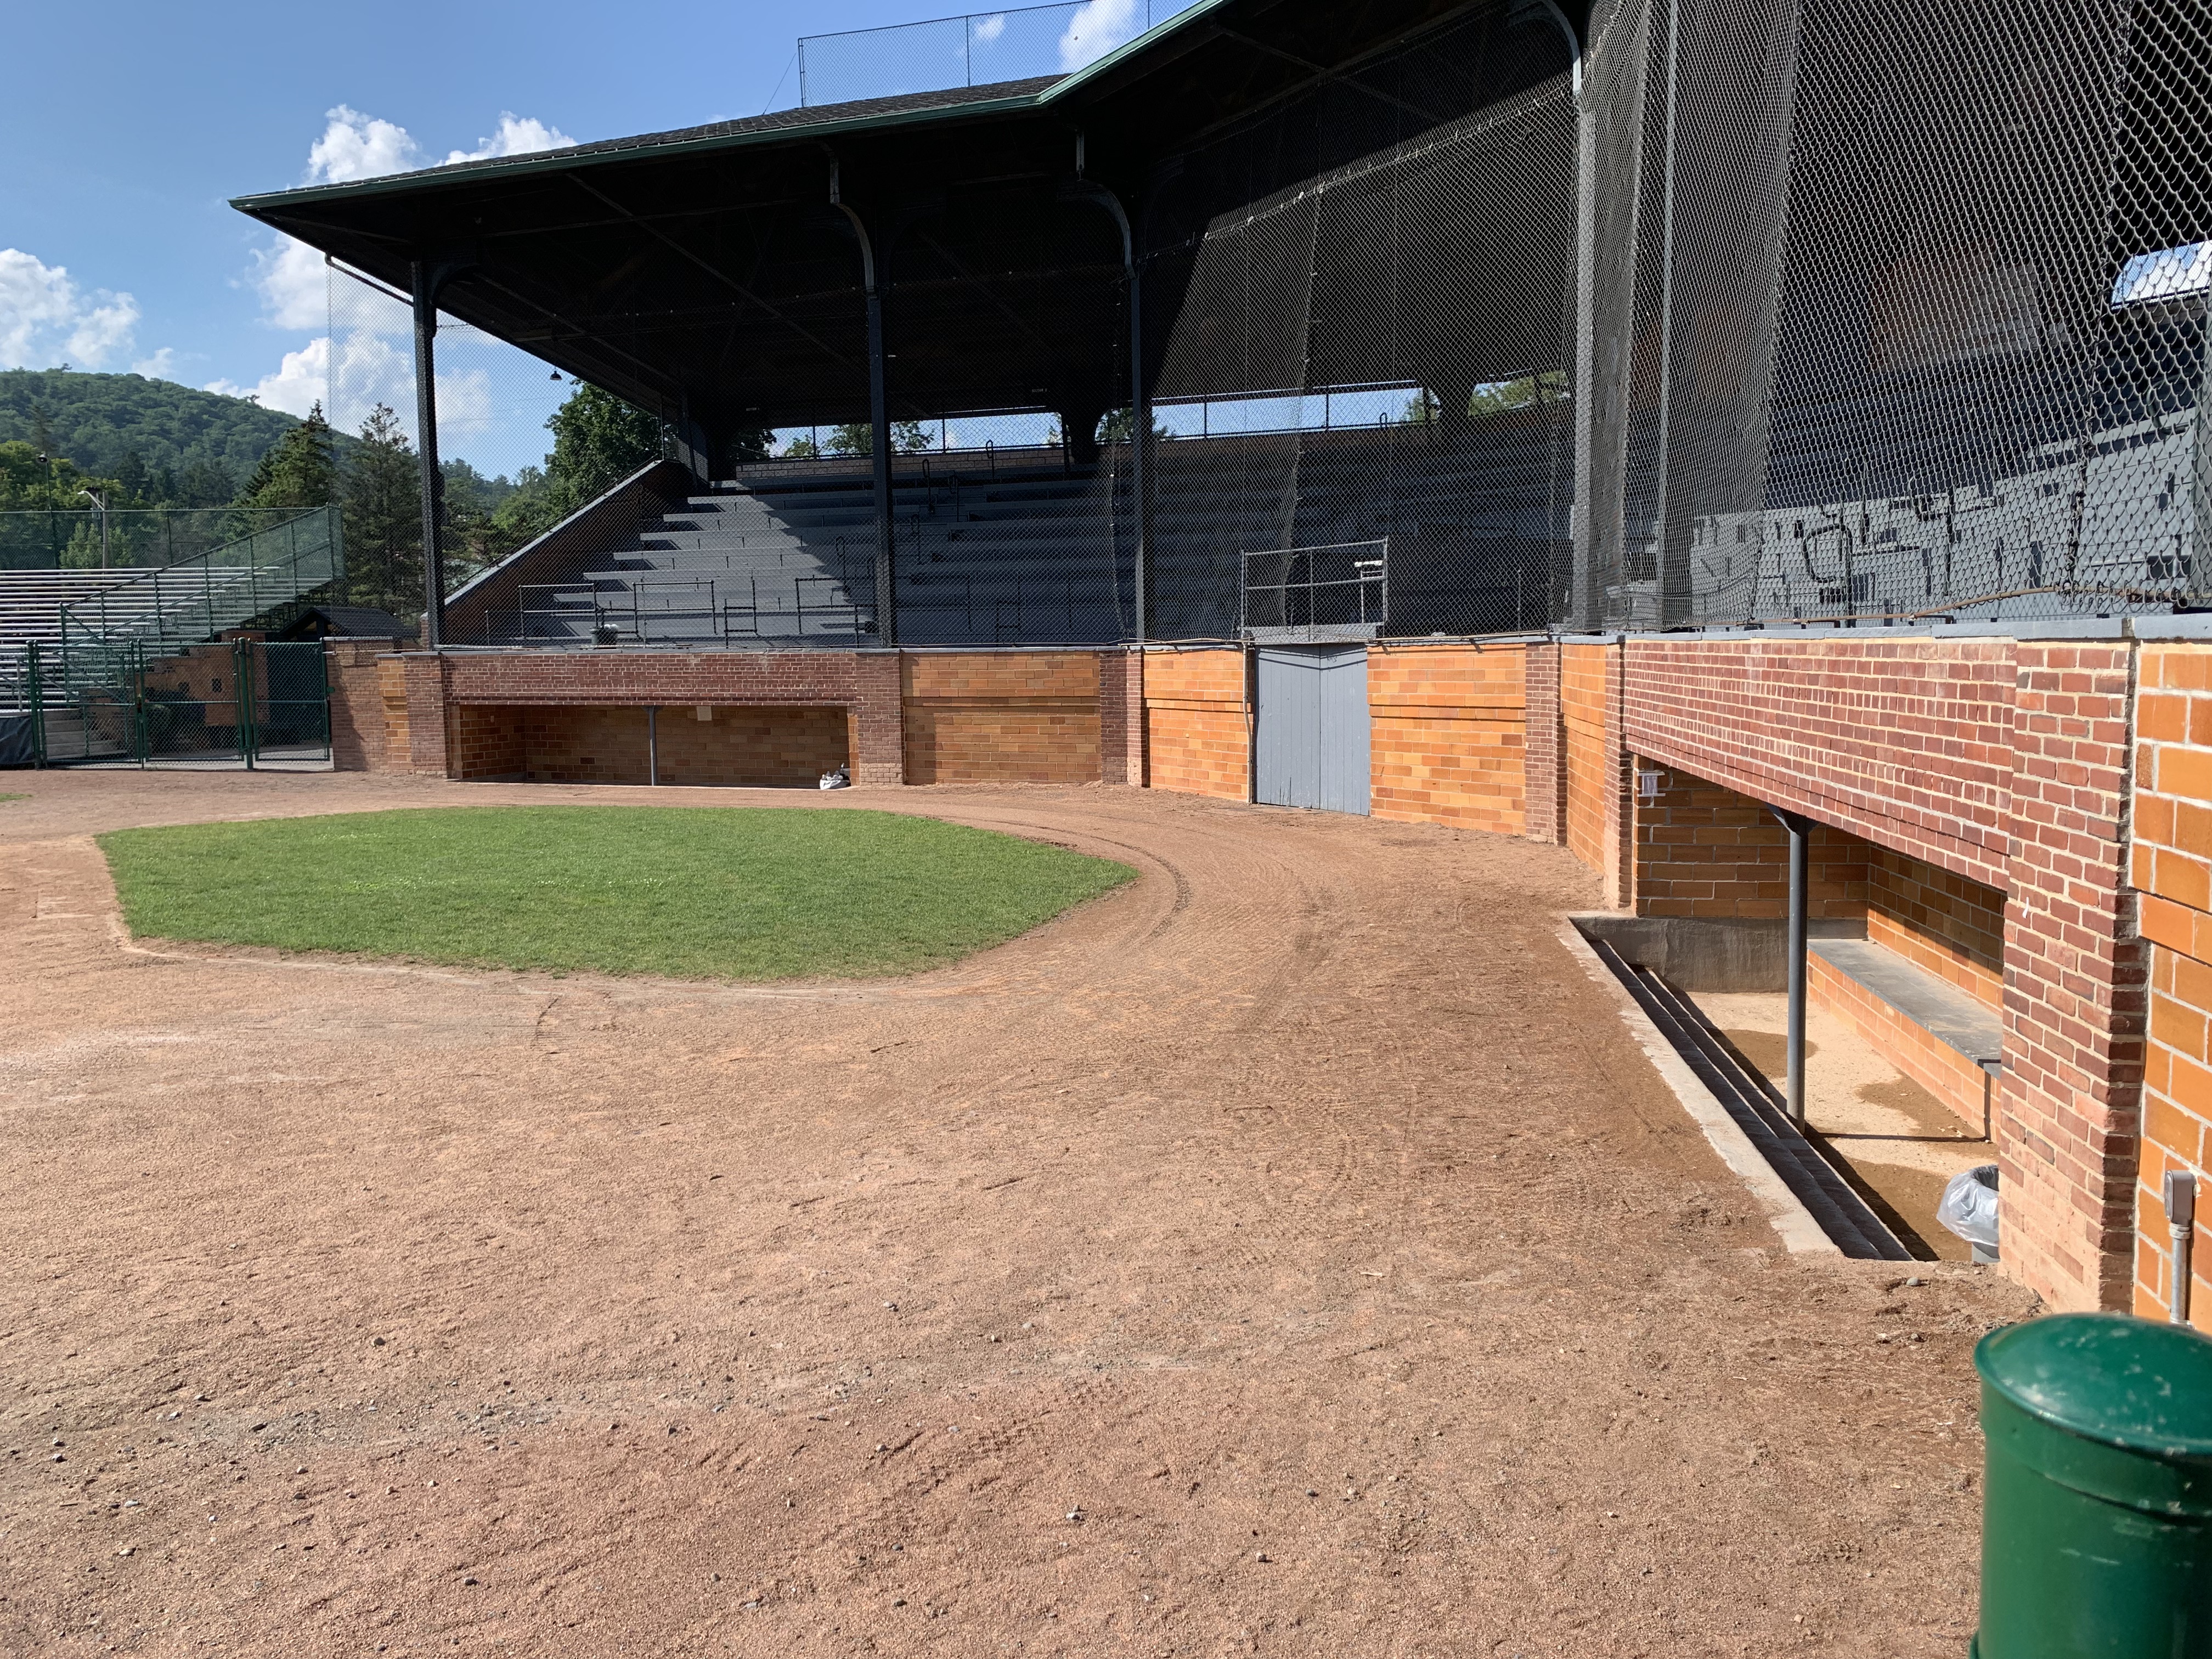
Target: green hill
100, 420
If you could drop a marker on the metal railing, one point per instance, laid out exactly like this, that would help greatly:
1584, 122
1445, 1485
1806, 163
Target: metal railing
975, 49
196, 598
1342, 589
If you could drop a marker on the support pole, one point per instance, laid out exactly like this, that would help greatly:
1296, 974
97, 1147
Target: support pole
426, 281
653, 746
880, 419
2180, 1195
1140, 405
1800, 831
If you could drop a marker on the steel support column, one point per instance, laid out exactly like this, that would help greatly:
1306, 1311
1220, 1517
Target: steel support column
879, 421
1800, 832
427, 280
1140, 407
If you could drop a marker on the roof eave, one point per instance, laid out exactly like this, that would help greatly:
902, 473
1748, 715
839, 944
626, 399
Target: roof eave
561, 160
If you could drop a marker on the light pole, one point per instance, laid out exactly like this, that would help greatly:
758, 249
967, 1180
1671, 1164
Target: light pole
102, 506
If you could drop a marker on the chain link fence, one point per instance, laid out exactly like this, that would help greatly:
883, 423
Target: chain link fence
1026, 44
1897, 316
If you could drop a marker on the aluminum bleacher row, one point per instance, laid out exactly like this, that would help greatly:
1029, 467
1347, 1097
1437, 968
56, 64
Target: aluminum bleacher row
1029, 547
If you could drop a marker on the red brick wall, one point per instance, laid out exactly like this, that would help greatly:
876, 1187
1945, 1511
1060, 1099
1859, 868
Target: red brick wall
1448, 726
1906, 742
358, 727
876, 722
1196, 738
1952, 926
1002, 717
2172, 858
1702, 850
741, 747
1121, 717
2074, 981
484, 742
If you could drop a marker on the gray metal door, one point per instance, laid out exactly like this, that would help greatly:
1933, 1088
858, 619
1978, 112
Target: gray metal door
1313, 728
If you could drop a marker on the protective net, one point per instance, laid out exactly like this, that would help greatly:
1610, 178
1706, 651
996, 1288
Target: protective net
1895, 316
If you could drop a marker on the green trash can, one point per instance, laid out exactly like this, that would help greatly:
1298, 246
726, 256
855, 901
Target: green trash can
2097, 1500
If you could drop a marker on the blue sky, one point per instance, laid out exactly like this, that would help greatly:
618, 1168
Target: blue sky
118, 250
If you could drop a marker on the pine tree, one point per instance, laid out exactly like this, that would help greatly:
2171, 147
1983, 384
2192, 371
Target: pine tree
299, 472
384, 517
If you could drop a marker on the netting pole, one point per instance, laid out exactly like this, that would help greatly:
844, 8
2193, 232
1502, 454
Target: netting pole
425, 280
1583, 613
879, 423
1141, 412
2200, 552
1673, 568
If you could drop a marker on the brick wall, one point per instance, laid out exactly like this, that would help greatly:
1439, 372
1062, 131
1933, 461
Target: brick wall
1448, 733
1121, 717
1196, 738
358, 729
1906, 742
1702, 850
2074, 981
1543, 759
486, 742
2172, 858
391, 692
1952, 926
739, 747
1002, 717
1597, 783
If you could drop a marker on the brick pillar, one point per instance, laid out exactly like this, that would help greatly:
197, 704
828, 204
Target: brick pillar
1121, 717
878, 722
2074, 982
1618, 784
357, 719
1543, 756
423, 676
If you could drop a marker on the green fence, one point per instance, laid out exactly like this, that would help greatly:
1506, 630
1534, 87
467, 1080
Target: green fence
236, 702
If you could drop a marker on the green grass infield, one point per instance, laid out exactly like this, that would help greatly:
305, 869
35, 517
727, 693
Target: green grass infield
744, 893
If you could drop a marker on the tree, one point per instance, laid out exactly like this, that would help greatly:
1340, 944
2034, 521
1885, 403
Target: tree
384, 517
597, 441
854, 438
802, 449
911, 438
300, 470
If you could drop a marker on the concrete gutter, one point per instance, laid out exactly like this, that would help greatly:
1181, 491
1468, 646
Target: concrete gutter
1800, 1233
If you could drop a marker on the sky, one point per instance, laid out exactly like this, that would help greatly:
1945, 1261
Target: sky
128, 127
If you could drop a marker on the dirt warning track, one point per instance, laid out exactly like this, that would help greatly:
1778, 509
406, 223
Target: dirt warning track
1289, 1253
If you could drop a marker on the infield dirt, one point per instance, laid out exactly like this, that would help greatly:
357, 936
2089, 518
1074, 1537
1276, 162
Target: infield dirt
1289, 1253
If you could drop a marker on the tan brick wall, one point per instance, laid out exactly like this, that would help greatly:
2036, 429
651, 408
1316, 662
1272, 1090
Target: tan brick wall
1596, 799
1543, 758
358, 730
1196, 736
1449, 727
1002, 717
2172, 859
391, 692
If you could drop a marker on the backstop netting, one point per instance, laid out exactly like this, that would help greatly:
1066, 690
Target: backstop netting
1895, 314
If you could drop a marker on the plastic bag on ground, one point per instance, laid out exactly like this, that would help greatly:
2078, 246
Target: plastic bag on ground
839, 779
1970, 1206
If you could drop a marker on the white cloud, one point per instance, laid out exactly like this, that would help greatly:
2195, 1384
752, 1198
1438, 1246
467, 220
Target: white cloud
44, 320
162, 366
988, 29
293, 284
357, 146
517, 134
1095, 29
301, 380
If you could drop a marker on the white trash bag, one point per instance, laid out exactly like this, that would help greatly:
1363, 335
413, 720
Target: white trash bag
1970, 1209
839, 779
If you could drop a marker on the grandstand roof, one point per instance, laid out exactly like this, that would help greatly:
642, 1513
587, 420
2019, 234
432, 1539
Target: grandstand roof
704, 272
